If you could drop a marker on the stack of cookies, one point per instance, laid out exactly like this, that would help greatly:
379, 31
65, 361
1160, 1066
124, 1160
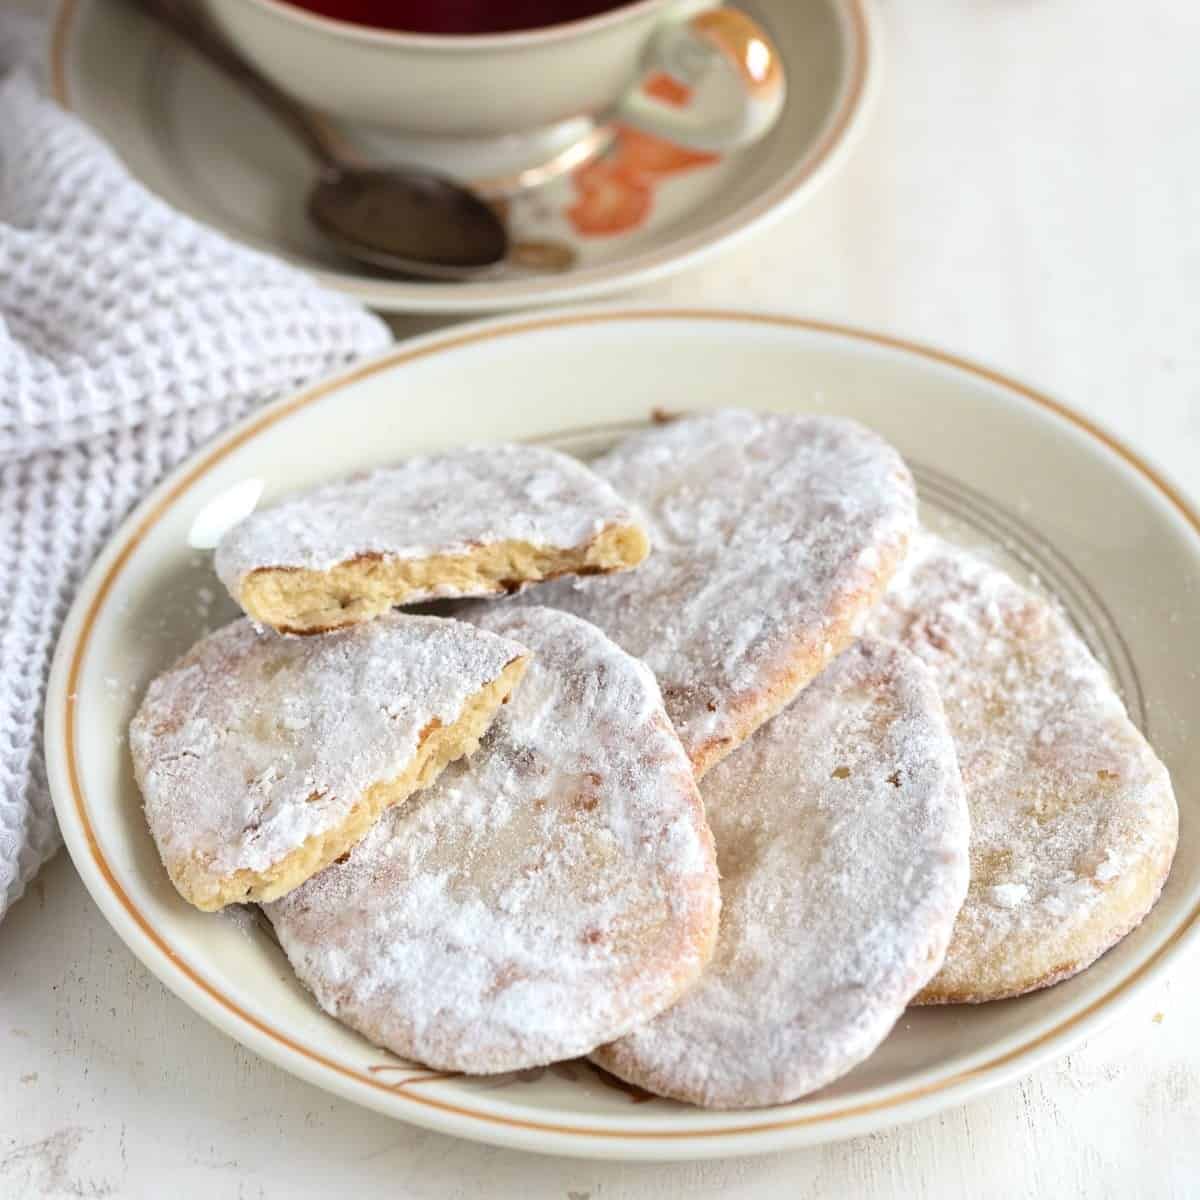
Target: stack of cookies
763, 765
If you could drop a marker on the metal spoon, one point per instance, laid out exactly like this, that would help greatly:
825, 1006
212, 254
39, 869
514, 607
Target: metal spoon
403, 219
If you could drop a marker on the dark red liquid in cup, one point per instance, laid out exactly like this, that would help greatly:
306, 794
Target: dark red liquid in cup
458, 16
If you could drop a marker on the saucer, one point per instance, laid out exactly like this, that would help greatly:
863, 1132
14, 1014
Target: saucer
643, 210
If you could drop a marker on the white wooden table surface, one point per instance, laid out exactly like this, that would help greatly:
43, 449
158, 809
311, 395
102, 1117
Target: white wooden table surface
1027, 194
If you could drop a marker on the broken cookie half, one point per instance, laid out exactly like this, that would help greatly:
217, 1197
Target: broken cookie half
480, 521
263, 759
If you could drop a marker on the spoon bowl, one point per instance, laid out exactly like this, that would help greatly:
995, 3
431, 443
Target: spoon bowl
411, 223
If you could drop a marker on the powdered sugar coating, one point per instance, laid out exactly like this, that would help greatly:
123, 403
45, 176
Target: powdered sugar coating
773, 535
253, 743
841, 831
545, 895
1074, 820
437, 504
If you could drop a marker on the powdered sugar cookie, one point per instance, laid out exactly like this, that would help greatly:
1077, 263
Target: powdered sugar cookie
261, 758
841, 831
545, 895
471, 522
1073, 817
773, 538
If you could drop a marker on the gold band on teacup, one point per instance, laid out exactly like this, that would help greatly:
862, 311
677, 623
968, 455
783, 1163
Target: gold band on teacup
744, 44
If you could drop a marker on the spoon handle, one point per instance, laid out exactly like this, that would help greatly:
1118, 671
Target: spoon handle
181, 17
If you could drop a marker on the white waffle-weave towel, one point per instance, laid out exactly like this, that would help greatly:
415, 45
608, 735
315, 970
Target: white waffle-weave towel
128, 335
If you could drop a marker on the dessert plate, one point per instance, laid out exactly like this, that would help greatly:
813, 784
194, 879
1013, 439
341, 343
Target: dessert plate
645, 210
1056, 499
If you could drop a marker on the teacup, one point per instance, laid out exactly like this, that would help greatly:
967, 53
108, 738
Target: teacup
510, 89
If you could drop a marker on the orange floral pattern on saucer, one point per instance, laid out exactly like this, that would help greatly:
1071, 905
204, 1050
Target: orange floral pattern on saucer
610, 199
615, 194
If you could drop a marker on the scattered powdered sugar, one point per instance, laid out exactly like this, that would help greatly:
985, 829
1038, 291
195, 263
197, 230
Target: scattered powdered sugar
441, 504
253, 742
1109, 867
841, 831
1071, 811
245, 918
543, 896
771, 535
1008, 895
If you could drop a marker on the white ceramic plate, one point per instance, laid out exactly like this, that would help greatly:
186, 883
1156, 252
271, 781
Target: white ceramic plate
998, 463
196, 141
